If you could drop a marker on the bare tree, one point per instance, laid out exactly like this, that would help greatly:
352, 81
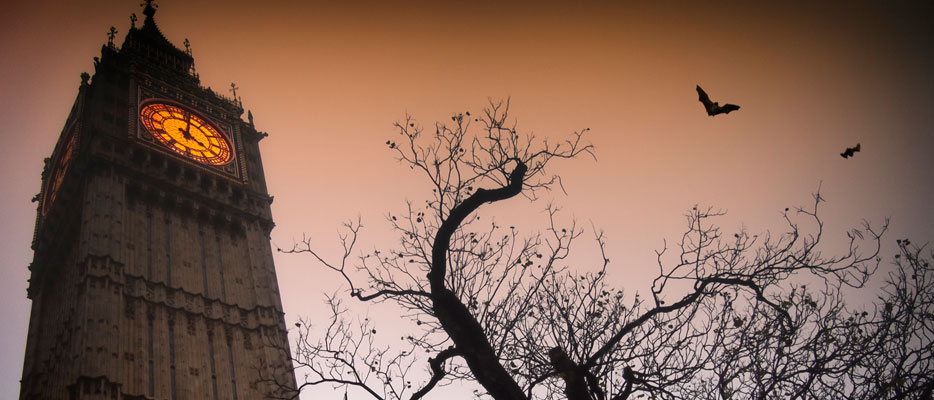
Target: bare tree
899, 332
729, 318
882, 350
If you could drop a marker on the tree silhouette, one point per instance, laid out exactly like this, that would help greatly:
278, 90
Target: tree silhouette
731, 318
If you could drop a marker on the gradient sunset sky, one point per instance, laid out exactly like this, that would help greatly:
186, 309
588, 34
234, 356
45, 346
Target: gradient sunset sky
326, 80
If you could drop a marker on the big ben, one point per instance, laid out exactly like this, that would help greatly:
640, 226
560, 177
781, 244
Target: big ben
152, 275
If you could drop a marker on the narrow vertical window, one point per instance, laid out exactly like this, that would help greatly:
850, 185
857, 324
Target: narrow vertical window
149, 245
168, 251
204, 265
220, 267
233, 372
172, 357
213, 369
152, 366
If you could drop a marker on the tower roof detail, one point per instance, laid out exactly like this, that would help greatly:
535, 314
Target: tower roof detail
149, 41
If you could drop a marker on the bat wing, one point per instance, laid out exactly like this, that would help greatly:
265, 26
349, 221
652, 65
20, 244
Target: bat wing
705, 100
849, 151
702, 96
726, 108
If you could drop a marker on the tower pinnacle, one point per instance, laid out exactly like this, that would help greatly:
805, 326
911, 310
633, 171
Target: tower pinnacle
150, 9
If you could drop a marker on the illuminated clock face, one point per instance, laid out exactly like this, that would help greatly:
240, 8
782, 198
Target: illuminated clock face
58, 172
185, 132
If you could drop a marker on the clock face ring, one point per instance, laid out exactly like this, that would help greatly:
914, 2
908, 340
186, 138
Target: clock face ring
185, 132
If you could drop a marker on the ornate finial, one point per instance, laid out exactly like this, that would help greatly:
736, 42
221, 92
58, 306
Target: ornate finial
84, 78
249, 116
187, 47
132, 20
150, 9
110, 37
233, 88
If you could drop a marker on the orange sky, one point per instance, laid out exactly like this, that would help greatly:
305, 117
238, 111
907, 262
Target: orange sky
326, 80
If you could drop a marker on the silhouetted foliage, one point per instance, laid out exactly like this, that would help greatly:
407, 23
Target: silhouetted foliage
735, 316
881, 351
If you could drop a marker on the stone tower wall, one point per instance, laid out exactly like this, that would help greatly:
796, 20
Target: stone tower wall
153, 277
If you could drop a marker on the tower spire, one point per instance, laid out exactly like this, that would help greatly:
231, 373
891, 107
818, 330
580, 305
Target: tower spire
150, 9
110, 37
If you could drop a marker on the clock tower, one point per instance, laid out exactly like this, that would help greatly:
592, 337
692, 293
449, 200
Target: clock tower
152, 275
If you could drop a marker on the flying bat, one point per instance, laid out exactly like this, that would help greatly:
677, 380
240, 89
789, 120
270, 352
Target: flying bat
849, 151
712, 107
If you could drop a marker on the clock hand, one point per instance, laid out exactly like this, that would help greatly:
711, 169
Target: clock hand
186, 132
